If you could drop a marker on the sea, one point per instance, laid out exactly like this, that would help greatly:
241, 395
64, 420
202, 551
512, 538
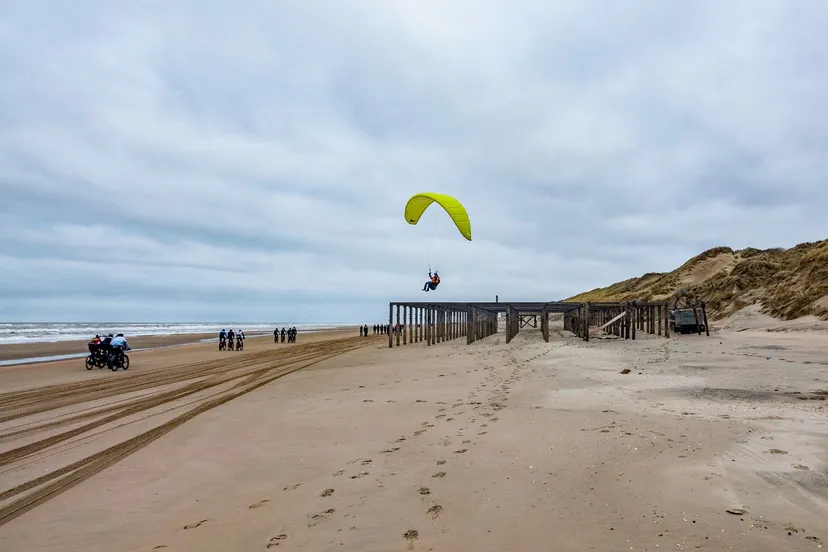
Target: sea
37, 332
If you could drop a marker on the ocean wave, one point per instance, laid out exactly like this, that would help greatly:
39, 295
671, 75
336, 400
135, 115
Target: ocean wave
11, 333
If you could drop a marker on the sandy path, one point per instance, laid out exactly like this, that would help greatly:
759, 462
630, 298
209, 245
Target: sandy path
530, 446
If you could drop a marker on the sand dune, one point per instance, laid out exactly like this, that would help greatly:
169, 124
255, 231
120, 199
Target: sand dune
527, 446
784, 283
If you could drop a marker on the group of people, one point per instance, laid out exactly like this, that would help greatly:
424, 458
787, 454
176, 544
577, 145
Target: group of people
381, 329
231, 340
290, 333
104, 346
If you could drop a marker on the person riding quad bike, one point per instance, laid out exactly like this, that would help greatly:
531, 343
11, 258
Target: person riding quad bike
433, 282
116, 352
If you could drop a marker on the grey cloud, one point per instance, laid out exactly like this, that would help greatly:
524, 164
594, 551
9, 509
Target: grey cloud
217, 162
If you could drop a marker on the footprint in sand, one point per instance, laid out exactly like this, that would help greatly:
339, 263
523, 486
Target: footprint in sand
292, 487
316, 518
411, 534
438, 416
275, 541
441, 410
420, 401
440, 462
424, 490
434, 511
367, 400
366, 462
327, 492
483, 433
439, 474
419, 432
389, 451
194, 525
449, 419
340, 472
258, 504
461, 451
360, 474
160, 546
400, 440
801, 467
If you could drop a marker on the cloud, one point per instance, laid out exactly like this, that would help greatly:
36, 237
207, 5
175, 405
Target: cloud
211, 162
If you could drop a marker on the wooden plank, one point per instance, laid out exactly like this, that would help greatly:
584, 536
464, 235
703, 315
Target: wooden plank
616, 319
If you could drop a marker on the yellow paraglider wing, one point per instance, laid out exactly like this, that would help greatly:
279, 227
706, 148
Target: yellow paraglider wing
418, 203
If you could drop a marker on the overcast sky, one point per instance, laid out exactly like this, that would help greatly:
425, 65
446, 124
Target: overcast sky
250, 161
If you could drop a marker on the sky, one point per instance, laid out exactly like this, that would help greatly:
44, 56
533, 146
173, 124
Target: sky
251, 160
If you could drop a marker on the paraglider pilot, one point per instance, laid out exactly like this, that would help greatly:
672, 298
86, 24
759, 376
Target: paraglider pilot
433, 282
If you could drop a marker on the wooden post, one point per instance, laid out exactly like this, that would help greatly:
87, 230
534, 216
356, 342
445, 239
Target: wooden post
404, 328
441, 327
634, 324
659, 319
545, 323
586, 321
704, 315
398, 323
390, 324
469, 325
666, 320
427, 324
508, 324
696, 315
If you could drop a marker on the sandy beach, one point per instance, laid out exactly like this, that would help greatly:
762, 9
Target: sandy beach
339, 443
45, 349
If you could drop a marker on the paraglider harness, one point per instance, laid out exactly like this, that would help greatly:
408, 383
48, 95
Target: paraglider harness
434, 281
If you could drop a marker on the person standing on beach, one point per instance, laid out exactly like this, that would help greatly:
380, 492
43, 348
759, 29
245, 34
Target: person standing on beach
283, 335
276, 335
366, 330
360, 331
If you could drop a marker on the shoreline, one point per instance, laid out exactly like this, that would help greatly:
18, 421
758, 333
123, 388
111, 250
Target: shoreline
16, 354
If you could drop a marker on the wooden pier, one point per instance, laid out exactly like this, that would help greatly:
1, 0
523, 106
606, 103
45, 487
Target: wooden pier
443, 321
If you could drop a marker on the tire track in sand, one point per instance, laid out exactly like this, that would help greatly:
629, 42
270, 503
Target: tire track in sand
63, 479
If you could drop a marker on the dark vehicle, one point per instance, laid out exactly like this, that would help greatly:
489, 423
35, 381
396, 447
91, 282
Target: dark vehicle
117, 359
97, 357
686, 321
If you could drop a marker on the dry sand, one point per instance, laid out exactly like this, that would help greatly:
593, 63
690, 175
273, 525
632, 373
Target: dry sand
489, 447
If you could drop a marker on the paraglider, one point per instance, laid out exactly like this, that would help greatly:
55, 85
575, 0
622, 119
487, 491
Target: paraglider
415, 208
433, 281
418, 203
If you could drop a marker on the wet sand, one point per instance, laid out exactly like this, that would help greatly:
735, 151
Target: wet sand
36, 350
712, 443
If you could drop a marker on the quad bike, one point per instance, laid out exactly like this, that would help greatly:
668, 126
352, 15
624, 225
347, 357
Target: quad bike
96, 359
117, 359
